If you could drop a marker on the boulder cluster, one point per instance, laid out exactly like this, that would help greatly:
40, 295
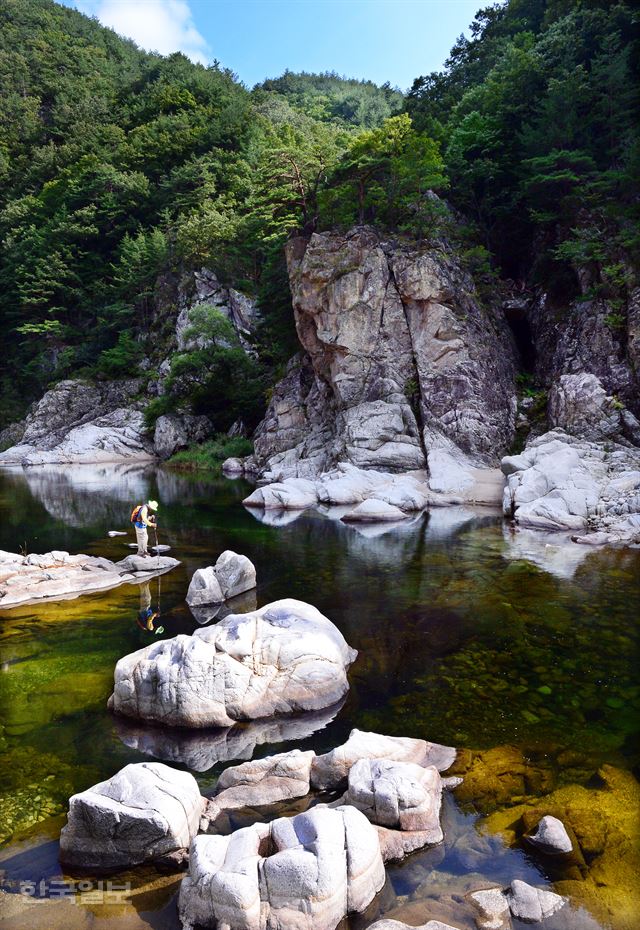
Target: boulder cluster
370, 801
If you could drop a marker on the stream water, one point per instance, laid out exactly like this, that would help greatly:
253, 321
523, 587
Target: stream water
514, 646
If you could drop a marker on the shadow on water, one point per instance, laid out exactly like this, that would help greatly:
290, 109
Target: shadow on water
468, 634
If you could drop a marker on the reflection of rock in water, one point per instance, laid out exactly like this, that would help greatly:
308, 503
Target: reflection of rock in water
274, 517
202, 749
552, 552
83, 495
242, 604
445, 522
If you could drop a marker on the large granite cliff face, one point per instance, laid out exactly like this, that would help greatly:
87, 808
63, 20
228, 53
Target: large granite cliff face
402, 367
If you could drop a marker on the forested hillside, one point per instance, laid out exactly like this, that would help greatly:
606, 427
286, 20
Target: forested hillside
120, 166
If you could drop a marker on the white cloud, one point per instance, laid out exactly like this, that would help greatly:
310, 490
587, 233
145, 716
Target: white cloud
163, 26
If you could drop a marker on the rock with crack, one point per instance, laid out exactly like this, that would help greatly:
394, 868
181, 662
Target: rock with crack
533, 904
143, 813
232, 574
397, 794
492, 907
399, 357
551, 837
331, 770
260, 782
284, 658
176, 431
308, 872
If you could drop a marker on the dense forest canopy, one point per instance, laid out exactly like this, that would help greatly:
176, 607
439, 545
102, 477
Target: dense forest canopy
120, 168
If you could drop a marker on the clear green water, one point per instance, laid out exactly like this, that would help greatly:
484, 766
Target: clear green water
467, 635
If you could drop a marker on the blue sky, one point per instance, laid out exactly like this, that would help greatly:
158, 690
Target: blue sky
381, 40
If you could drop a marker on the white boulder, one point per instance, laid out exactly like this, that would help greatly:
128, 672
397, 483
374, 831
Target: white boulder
328, 771
533, 904
397, 794
374, 511
303, 873
283, 658
232, 574
144, 812
550, 836
563, 483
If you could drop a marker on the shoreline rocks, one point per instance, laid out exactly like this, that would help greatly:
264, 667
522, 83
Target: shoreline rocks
563, 483
284, 658
58, 574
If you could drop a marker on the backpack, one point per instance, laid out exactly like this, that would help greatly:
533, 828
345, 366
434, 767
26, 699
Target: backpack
135, 513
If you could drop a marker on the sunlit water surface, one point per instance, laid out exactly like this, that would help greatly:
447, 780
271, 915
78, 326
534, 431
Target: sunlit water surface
468, 634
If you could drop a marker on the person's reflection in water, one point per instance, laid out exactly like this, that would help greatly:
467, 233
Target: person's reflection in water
146, 615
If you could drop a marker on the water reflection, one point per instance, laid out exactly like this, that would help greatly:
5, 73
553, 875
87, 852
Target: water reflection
200, 750
468, 634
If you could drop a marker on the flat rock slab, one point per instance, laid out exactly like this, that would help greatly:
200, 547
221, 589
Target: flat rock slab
284, 658
310, 870
145, 812
58, 574
330, 770
260, 782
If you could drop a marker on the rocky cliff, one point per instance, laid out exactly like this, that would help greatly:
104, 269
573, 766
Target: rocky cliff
403, 367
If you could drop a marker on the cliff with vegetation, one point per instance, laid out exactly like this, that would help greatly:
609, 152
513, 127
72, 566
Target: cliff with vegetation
149, 207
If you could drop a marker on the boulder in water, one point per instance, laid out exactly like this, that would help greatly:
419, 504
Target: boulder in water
284, 658
145, 812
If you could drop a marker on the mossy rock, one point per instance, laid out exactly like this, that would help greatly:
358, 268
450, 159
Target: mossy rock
603, 819
501, 776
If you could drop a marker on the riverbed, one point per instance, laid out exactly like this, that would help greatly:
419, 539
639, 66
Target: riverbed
518, 647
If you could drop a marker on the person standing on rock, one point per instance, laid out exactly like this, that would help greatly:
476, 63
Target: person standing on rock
142, 517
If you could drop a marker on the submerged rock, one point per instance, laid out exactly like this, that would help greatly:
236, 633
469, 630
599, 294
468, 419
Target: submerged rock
551, 836
492, 907
307, 871
533, 904
143, 813
284, 658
